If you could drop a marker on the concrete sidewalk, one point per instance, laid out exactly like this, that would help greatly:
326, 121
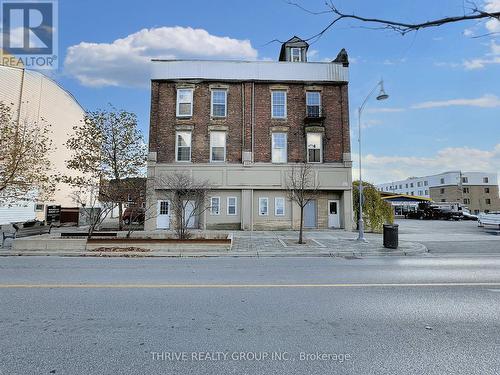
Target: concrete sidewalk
328, 243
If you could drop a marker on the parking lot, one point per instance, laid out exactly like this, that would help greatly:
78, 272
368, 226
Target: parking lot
449, 237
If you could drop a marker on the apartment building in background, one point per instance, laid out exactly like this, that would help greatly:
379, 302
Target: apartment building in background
478, 191
242, 125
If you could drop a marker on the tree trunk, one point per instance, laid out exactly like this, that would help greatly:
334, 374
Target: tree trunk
301, 224
120, 215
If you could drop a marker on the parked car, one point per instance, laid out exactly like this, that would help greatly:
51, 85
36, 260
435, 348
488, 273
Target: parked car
492, 217
134, 215
431, 211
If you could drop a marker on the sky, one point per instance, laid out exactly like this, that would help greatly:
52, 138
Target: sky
443, 112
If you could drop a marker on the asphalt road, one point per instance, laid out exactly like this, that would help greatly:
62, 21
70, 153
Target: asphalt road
370, 316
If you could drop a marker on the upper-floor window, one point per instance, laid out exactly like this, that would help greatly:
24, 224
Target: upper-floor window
184, 102
400, 186
465, 180
442, 180
279, 147
465, 190
411, 184
313, 103
278, 103
407, 186
425, 183
314, 148
486, 180
488, 201
296, 54
486, 190
419, 183
217, 146
441, 191
183, 146
219, 103
466, 201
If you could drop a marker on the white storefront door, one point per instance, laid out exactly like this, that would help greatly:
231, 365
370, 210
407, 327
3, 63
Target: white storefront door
189, 217
333, 214
163, 215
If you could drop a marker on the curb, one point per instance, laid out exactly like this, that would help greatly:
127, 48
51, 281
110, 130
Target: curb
415, 249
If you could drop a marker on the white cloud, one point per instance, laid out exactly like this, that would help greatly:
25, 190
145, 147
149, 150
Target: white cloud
485, 101
492, 57
370, 123
394, 62
384, 110
468, 32
379, 169
492, 25
126, 61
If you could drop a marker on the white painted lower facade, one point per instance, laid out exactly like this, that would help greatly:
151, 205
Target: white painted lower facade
254, 197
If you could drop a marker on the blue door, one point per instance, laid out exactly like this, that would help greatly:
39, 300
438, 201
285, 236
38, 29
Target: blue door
310, 214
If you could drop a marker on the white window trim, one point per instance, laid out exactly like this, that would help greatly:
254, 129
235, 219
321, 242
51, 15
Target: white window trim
320, 149
225, 146
177, 147
235, 206
286, 148
275, 206
168, 207
291, 54
177, 103
286, 100
212, 103
267, 205
212, 213
319, 92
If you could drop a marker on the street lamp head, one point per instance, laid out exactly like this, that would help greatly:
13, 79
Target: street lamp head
382, 95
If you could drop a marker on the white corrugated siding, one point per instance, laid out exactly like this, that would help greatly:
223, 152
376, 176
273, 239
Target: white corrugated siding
42, 98
17, 212
249, 70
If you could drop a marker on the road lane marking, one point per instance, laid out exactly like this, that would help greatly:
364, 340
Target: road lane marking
235, 286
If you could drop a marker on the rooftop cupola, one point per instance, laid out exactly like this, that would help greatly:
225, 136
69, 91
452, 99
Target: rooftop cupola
294, 50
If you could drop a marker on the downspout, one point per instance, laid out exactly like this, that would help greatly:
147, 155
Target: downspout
253, 120
243, 109
20, 97
253, 143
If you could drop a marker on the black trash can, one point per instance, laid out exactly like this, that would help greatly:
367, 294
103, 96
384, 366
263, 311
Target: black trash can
391, 236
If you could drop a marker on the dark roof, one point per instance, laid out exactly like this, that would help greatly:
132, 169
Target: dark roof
403, 197
294, 41
342, 58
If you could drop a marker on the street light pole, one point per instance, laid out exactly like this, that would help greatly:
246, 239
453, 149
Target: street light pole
381, 96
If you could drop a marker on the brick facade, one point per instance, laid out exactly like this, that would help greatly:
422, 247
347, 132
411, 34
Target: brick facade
241, 113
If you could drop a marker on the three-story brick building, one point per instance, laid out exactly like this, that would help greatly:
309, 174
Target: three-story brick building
241, 125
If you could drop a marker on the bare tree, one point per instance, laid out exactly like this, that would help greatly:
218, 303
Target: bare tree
472, 13
93, 211
109, 146
24, 157
188, 200
302, 187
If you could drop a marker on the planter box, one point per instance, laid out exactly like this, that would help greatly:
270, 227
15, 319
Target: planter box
50, 243
166, 244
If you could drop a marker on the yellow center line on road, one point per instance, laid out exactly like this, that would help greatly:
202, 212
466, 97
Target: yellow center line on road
242, 286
